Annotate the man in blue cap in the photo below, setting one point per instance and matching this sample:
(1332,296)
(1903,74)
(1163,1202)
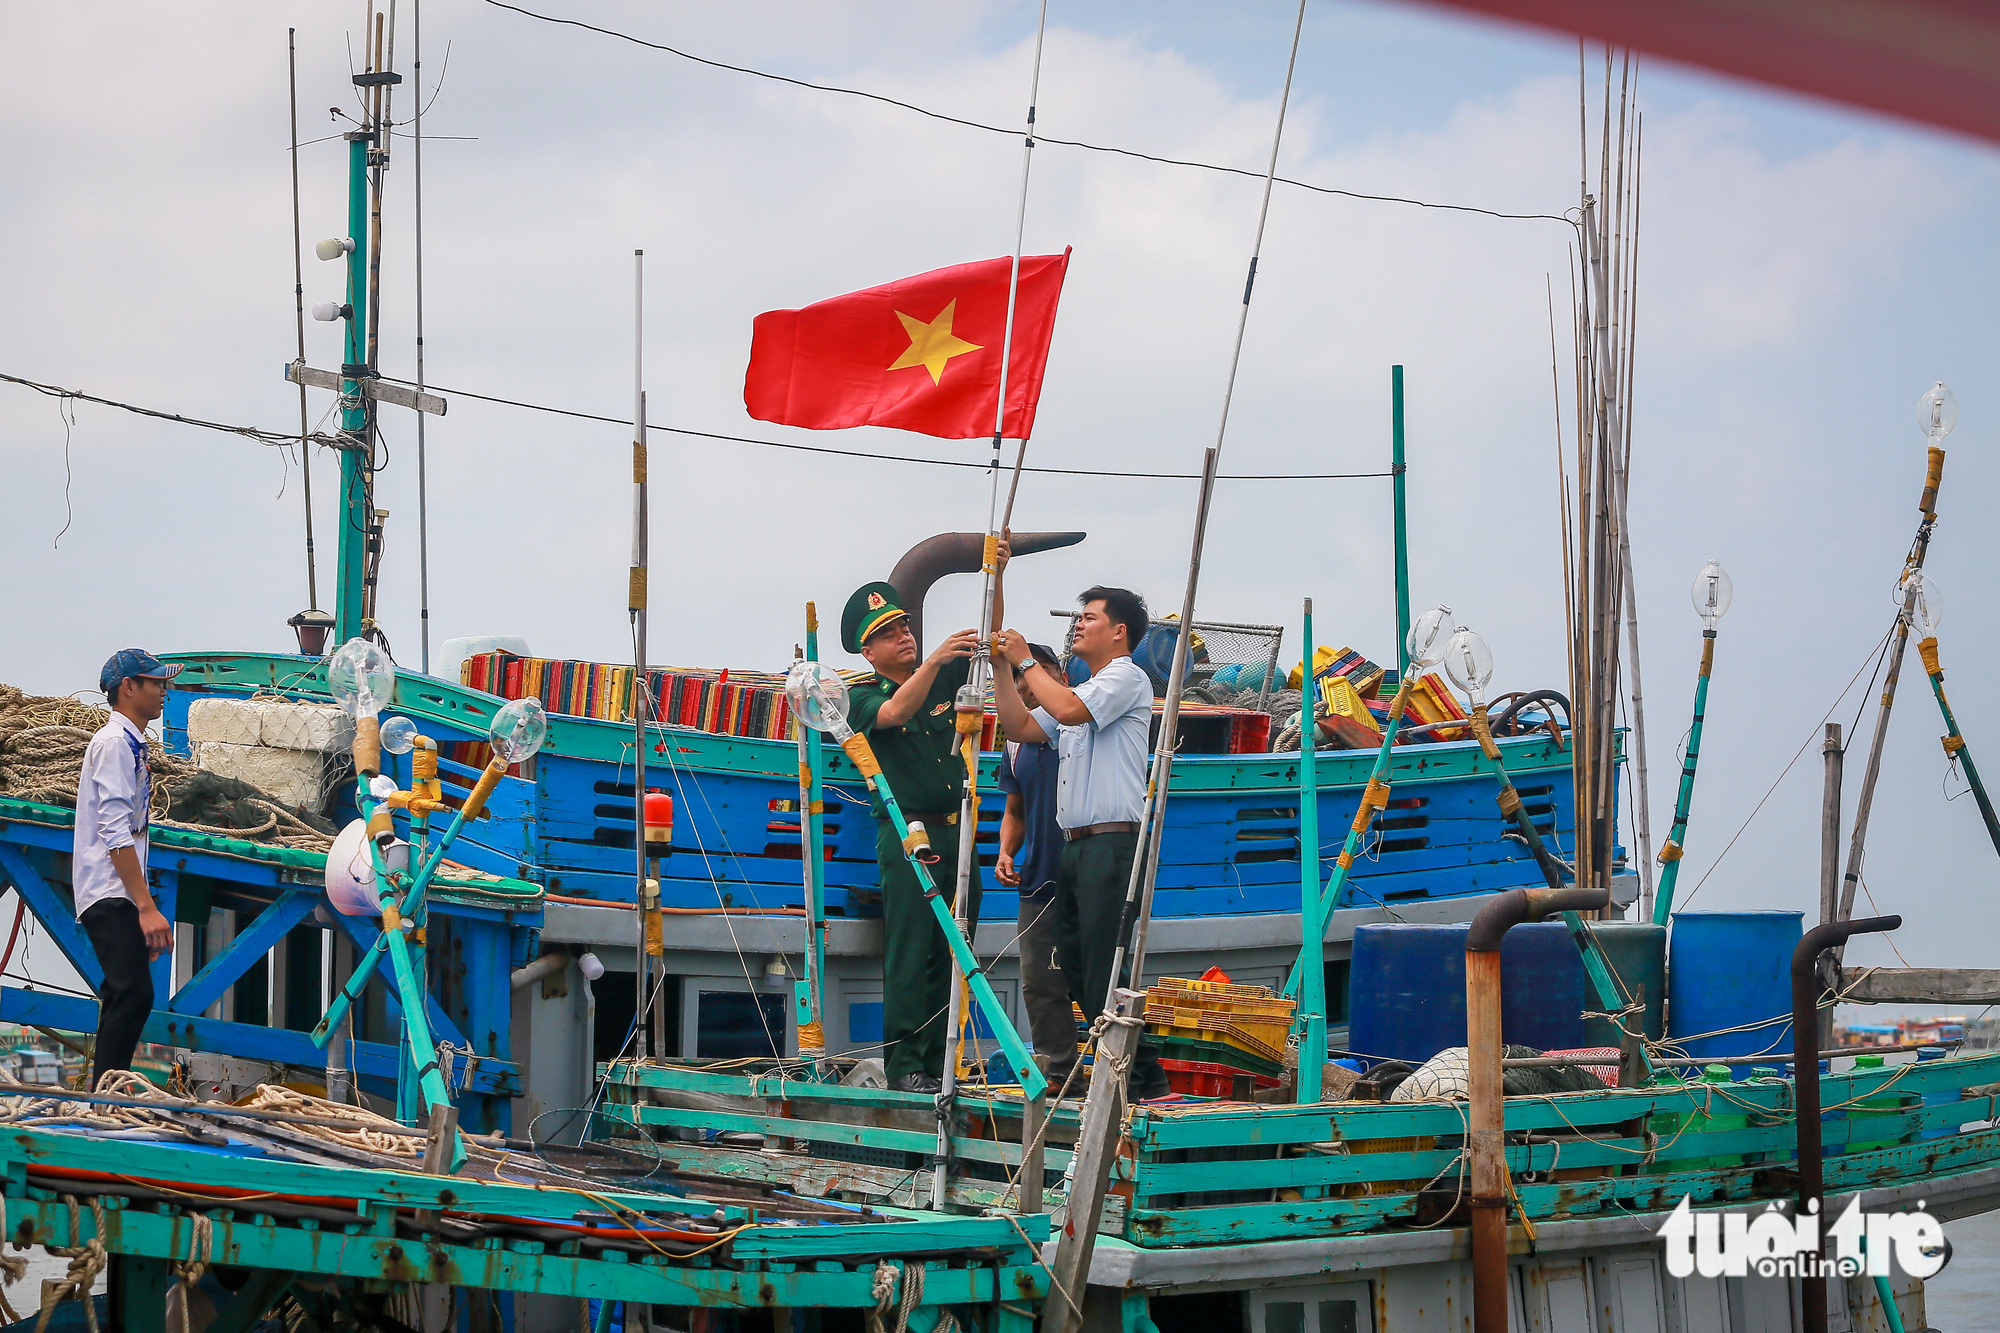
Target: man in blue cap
(114,794)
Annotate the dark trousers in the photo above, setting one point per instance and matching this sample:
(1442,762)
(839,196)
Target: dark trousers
(917,1003)
(1044,991)
(125,999)
(1090,896)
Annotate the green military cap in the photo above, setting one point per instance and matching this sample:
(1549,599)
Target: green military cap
(872,606)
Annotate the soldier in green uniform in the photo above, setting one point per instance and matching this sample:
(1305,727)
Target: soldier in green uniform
(907,711)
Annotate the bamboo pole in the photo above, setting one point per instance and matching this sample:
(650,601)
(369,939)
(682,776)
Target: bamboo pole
(1310,1017)
(1954,740)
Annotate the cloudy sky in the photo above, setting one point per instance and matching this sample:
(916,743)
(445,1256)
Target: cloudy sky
(1806,272)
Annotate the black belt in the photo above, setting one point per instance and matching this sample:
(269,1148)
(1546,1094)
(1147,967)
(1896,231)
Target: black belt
(930,817)
(1092,830)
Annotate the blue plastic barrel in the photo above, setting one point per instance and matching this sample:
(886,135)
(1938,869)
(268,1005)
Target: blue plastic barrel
(1731,970)
(1406,990)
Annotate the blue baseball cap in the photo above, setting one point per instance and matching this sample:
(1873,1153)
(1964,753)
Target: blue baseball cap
(128,662)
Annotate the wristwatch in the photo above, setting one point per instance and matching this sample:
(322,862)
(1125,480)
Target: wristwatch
(1027,660)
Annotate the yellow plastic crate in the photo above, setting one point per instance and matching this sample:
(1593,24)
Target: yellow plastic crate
(1265,1039)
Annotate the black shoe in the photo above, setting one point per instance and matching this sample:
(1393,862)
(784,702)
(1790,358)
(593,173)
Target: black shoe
(923,1083)
(1148,1082)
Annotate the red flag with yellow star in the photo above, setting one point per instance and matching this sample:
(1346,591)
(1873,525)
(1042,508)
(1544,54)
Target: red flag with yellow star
(920,354)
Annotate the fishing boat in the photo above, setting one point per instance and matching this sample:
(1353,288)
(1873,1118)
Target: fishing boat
(682,1002)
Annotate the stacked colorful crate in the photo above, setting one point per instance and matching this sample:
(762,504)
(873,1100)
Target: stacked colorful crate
(1204,1028)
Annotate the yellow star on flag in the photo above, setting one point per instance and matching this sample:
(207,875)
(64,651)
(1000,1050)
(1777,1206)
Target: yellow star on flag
(932,344)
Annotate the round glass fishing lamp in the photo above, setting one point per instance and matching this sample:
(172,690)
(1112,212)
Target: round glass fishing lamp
(1712,592)
(362,678)
(1428,635)
(1926,610)
(1937,412)
(818,695)
(1469,663)
(399,735)
(518,730)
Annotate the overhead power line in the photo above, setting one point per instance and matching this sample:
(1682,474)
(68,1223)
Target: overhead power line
(890,458)
(1002,129)
(262,436)
(280,438)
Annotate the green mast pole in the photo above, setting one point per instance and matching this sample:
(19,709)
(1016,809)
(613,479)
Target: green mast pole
(355,520)
(1310,1021)
(1663,897)
(1954,740)
(808,993)
(1396,469)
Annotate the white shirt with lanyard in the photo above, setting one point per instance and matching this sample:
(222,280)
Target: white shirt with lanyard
(113,796)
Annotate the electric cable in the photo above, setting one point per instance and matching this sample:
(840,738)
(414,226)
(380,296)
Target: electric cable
(1040,138)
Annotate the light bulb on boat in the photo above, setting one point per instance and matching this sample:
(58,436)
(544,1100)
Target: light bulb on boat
(1469,663)
(361,677)
(1937,412)
(334,247)
(328,311)
(518,730)
(1923,603)
(591,966)
(1712,593)
(818,696)
(399,735)
(1428,636)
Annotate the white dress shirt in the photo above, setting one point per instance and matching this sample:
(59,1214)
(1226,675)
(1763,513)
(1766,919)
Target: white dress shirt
(1102,773)
(112,796)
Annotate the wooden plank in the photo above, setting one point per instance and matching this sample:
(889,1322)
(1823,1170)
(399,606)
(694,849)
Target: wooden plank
(997,1151)
(237,1241)
(1249,1222)
(823,1176)
(382,391)
(1921,985)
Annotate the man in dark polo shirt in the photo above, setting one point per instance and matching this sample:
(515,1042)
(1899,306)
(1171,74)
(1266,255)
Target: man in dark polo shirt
(907,713)
(1031,843)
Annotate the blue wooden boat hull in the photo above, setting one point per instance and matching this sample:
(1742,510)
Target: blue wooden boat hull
(1231,844)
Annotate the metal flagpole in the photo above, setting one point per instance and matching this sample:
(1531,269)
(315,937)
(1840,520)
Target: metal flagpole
(1102,1116)
(971,703)
(636,608)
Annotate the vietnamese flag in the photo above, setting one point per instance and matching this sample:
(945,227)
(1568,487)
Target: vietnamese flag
(919,354)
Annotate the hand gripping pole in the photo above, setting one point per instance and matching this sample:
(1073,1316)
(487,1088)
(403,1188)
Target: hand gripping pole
(1033,1084)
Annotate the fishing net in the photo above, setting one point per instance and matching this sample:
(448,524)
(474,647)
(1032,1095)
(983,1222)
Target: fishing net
(1233,665)
(1445,1077)
(42,742)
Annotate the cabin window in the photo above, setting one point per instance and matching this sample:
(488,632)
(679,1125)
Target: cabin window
(1345,1307)
(1337,970)
(731,1025)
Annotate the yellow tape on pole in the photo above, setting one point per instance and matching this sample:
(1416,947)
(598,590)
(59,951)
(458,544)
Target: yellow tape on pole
(863,755)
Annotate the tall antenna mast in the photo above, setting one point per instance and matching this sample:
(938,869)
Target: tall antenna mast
(1103,1108)
(299,302)
(971,703)
(423,495)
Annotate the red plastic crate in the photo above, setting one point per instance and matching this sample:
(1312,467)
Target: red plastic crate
(1193,1078)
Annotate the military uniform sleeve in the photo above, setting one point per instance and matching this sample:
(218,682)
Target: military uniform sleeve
(864,701)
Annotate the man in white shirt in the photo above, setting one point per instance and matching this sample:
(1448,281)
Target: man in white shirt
(1100,731)
(108,867)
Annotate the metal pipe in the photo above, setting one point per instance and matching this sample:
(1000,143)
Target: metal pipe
(636,607)
(548,965)
(1806,989)
(1397,469)
(1835,755)
(1487,1140)
(1310,1019)
(423,488)
(1670,855)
